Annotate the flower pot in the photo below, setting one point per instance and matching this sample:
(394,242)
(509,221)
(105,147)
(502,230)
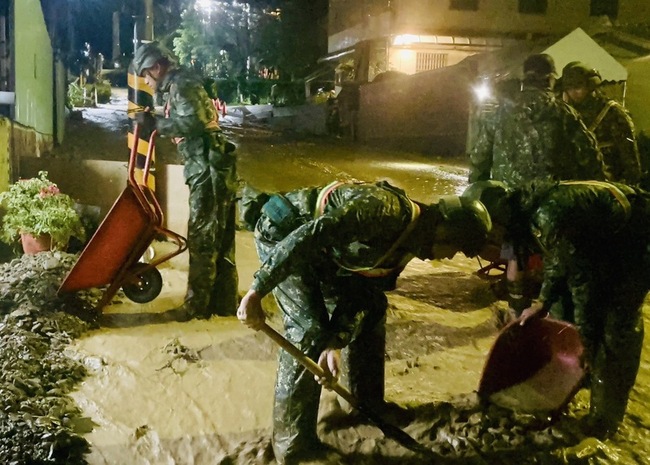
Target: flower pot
(35,244)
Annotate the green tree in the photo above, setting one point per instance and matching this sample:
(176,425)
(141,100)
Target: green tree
(216,38)
(236,39)
(302,37)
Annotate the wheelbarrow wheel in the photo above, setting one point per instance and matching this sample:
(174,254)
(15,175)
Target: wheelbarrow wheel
(145,285)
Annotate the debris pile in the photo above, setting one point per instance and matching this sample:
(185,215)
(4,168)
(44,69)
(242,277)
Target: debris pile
(469,430)
(39,423)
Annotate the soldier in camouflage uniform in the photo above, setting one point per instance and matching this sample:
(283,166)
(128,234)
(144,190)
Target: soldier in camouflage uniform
(533,135)
(606,118)
(210,173)
(530,135)
(328,255)
(594,237)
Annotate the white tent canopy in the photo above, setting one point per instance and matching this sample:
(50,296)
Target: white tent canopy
(575,46)
(578,46)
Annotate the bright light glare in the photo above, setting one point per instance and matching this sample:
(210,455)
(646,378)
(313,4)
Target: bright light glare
(483,92)
(203,5)
(406,39)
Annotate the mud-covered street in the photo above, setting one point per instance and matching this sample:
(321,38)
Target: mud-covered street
(200,392)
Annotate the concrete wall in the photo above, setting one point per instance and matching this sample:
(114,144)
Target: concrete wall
(633,11)
(100,183)
(426,112)
(493,17)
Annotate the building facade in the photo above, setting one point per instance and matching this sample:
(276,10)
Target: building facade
(412,36)
(32,73)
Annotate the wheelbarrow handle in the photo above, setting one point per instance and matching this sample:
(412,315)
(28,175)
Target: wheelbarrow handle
(388,429)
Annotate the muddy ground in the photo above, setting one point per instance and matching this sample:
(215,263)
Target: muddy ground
(201,392)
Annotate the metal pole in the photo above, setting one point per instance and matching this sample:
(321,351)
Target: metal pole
(148,21)
(117,50)
(140,97)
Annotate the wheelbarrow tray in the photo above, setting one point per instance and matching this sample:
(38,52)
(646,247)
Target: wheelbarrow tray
(120,240)
(537,367)
(112,255)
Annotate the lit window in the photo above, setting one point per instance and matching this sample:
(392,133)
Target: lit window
(427,61)
(533,6)
(471,5)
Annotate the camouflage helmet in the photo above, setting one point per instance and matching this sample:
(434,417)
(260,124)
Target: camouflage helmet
(466,223)
(577,74)
(146,56)
(539,64)
(492,195)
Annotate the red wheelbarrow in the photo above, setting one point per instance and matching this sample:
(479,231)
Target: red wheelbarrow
(537,367)
(112,256)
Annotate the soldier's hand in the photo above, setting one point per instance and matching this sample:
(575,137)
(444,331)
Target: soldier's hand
(250,311)
(534,311)
(145,118)
(330,362)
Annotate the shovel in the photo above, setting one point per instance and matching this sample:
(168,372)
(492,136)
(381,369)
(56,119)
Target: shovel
(389,430)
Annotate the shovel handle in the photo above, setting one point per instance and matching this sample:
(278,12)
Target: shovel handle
(313,367)
(388,429)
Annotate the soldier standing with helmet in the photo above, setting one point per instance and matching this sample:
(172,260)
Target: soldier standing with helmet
(606,118)
(532,134)
(328,255)
(190,120)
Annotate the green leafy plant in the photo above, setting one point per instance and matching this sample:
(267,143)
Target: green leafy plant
(36,206)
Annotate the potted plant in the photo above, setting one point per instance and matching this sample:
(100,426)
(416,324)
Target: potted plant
(36,207)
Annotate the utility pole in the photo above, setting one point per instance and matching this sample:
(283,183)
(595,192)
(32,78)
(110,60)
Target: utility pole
(117,48)
(143,25)
(148,19)
(141,97)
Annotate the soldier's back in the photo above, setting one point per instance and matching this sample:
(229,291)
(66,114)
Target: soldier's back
(540,137)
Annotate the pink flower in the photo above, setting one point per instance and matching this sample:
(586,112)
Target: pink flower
(48,191)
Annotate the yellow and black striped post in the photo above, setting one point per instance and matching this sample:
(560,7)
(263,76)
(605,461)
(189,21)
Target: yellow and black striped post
(140,97)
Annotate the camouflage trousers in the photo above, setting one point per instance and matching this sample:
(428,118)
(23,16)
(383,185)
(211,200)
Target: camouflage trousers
(212,285)
(307,299)
(611,325)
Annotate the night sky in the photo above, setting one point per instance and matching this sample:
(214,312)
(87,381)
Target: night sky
(94,24)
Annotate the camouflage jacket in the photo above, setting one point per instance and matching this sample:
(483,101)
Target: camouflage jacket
(533,135)
(614,131)
(589,233)
(191,119)
(189,111)
(359,225)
